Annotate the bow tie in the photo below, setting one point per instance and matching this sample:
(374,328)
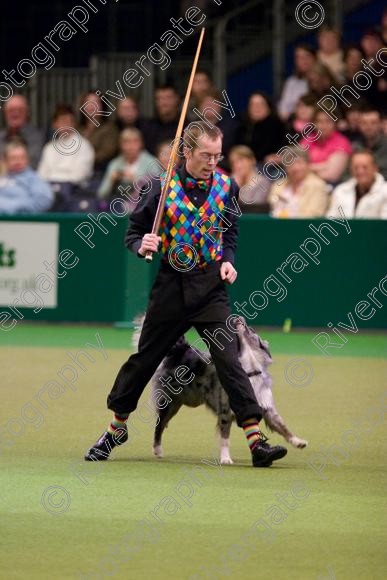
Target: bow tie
(192,183)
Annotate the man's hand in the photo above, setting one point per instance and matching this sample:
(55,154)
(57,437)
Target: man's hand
(228,272)
(149,243)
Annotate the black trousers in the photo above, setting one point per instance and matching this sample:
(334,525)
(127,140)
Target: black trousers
(178,301)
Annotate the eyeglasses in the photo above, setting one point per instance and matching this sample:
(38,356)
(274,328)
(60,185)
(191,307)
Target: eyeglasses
(207,157)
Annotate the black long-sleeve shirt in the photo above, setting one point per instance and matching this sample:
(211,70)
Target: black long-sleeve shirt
(141,220)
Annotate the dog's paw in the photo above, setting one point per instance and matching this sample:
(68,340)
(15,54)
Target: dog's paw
(226,461)
(158,451)
(297,442)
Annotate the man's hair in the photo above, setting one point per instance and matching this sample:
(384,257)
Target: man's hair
(62,109)
(195,130)
(364,152)
(15,143)
(368,108)
(130,132)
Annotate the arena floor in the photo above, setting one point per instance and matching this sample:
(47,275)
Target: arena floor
(317,514)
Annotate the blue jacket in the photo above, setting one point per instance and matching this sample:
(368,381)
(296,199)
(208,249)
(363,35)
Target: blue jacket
(24,192)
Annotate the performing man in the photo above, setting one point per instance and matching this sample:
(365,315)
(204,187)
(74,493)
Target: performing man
(198,237)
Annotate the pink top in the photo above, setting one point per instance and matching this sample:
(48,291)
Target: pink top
(319,151)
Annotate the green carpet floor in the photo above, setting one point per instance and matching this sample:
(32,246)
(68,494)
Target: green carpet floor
(317,514)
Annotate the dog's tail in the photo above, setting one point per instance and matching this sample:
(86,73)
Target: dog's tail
(138,324)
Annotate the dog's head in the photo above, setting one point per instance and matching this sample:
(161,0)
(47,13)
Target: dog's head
(250,344)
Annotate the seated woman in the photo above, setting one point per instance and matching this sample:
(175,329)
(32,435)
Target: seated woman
(330,152)
(302,194)
(304,113)
(254,187)
(126,169)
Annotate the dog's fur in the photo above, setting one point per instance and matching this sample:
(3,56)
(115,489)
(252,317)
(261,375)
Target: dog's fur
(205,388)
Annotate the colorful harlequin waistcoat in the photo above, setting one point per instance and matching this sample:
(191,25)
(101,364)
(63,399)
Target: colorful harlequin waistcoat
(192,236)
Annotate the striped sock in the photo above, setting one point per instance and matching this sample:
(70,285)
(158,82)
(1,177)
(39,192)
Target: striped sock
(252,432)
(119,422)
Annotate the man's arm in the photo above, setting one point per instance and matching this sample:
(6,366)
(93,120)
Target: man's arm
(230,236)
(141,220)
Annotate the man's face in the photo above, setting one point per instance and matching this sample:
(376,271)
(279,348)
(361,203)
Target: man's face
(16,112)
(370,125)
(202,160)
(127,111)
(363,169)
(167,102)
(16,160)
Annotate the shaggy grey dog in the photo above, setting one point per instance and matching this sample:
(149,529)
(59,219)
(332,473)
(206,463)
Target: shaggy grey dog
(205,388)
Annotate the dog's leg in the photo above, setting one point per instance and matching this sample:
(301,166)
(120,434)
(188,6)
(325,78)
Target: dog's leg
(224,428)
(275,422)
(164,416)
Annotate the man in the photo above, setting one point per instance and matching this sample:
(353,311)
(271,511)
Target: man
(164,125)
(371,129)
(189,290)
(16,116)
(21,189)
(363,196)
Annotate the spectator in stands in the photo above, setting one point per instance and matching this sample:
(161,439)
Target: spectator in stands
(213,112)
(163,153)
(128,116)
(329,51)
(69,158)
(329,153)
(261,129)
(16,116)
(297,85)
(104,136)
(349,125)
(365,194)
(202,86)
(303,113)
(320,80)
(371,129)
(22,191)
(163,126)
(371,43)
(302,194)
(126,169)
(254,187)
(353,55)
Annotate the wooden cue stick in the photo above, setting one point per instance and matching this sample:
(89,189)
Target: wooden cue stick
(176,143)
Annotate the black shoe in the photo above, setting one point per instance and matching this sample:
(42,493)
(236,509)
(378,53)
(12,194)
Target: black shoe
(103,447)
(264,454)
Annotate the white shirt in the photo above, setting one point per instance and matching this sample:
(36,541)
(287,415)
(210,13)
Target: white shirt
(372,205)
(56,163)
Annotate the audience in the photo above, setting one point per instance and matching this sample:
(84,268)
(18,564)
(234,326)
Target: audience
(163,126)
(365,194)
(297,85)
(123,148)
(16,117)
(254,187)
(330,152)
(102,137)
(261,129)
(303,194)
(329,51)
(22,191)
(126,169)
(373,137)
